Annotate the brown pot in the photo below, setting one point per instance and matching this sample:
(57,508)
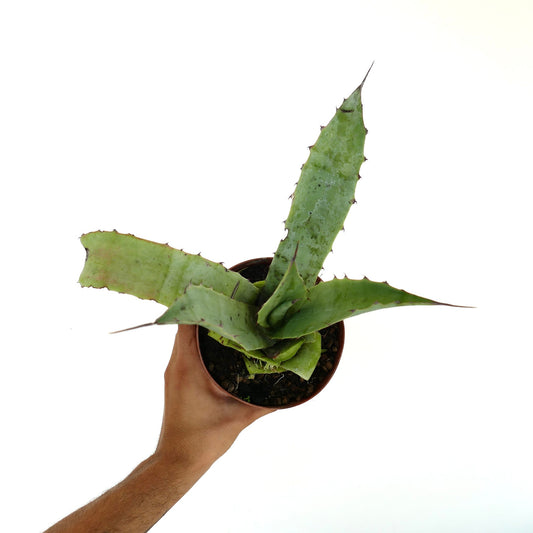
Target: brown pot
(227,370)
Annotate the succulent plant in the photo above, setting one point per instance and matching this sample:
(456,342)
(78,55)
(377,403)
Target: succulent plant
(274,323)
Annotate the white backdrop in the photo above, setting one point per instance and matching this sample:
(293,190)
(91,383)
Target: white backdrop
(187,123)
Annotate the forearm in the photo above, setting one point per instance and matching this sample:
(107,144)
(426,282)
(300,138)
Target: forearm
(199,425)
(138,502)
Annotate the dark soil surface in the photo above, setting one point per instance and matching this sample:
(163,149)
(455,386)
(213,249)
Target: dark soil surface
(227,367)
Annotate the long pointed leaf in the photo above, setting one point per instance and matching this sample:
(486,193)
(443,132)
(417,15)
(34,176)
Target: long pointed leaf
(332,301)
(323,196)
(153,271)
(219,313)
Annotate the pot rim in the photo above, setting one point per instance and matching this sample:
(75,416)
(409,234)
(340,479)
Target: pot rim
(341,332)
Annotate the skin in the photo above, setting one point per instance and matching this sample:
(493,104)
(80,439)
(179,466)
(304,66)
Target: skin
(200,423)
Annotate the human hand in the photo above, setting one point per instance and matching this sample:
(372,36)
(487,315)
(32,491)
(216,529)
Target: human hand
(200,422)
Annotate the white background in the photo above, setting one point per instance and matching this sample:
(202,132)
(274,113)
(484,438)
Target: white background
(187,123)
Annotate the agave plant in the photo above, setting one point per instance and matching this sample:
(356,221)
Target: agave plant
(275,323)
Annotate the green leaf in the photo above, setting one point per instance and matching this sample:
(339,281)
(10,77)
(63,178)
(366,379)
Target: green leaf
(323,196)
(307,353)
(290,289)
(255,366)
(305,361)
(332,301)
(285,349)
(219,313)
(257,354)
(255,360)
(153,271)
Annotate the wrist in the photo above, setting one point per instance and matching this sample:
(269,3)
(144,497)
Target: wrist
(175,460)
